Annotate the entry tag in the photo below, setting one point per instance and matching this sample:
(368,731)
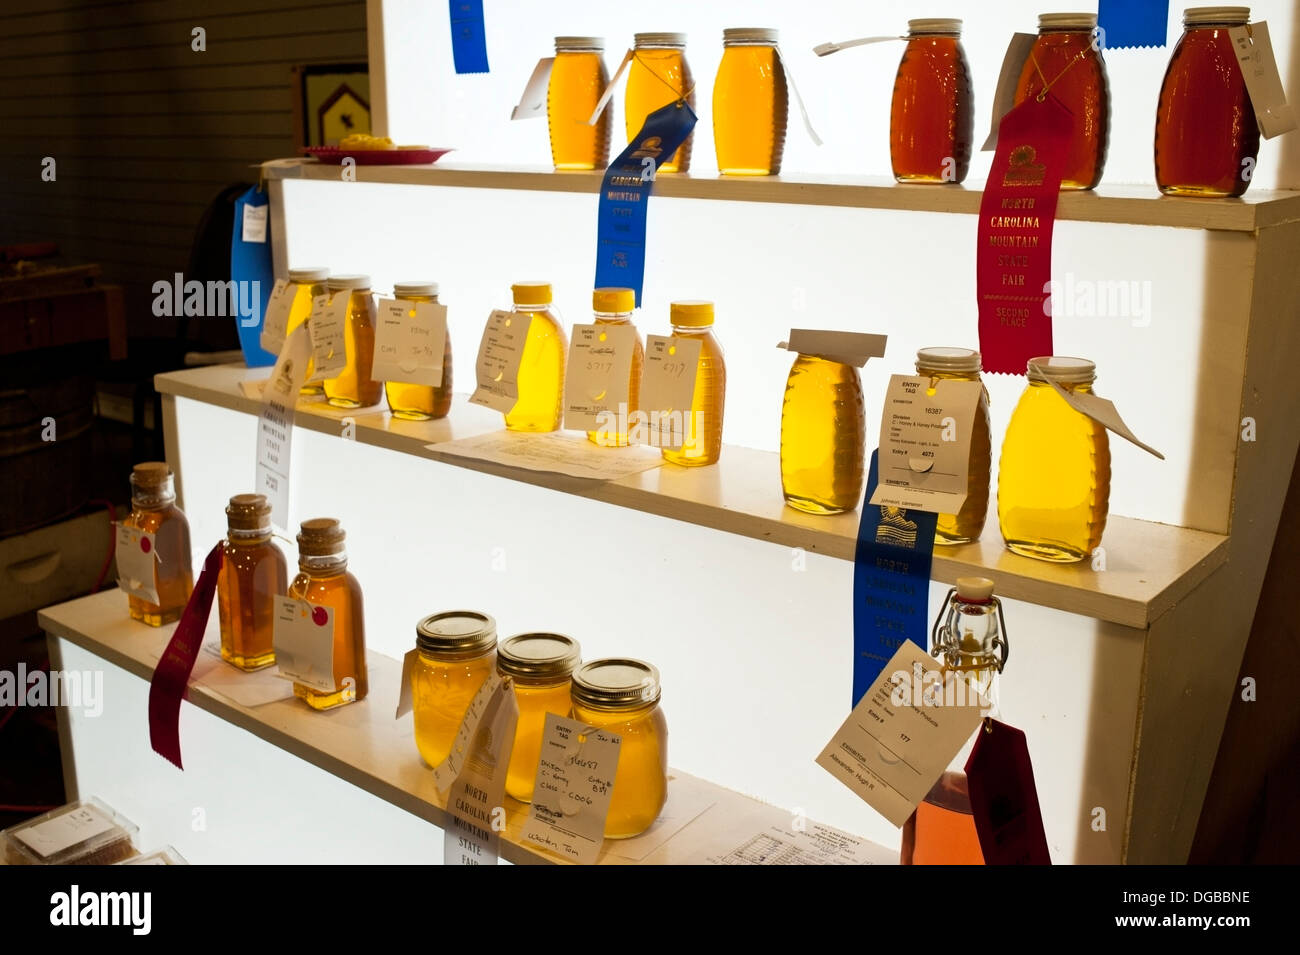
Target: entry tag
(1254,51)
(327,325)
(410,340)
(609,91)
(572,790)
(532,104)
(275,423)
(303,635)
(1100,410)
(597,379)
(136,553)
(668,391)
(803,110)
(276,324)
(499,354)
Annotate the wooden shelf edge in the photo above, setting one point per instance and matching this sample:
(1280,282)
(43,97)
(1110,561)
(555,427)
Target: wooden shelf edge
(1118,204)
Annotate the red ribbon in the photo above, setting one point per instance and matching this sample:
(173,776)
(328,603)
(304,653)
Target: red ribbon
(1004,799)
(1013,262)
(172,674)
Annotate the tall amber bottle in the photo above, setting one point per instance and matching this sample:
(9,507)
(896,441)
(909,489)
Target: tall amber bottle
(750,104)
(578,78)
(421,402)
(154,511)
(703,444)
(823,436)
(308,283)
(932,116)
(1054,476)
(657,76)
(1066,61)
(354,387)
(1207,138)
(540,405)
(962,364)
(253,574)
(323,579)
(614,306)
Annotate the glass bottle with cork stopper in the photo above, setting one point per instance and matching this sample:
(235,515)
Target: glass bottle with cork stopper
(540,666)
(354,387)
(703,427)
(963,364)
(421,402)
(657,76)
(578,78)
(614,306)
(323,580)
(750,104)
(253,574)
(970,636)
(308,283)
(154,511)
(540,405)
(456,652)
(932,114)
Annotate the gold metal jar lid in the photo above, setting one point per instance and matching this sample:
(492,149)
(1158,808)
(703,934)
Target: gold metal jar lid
(656,41)
(310,276)
(941,358)
(337,283)
(151,475)
(1067,21)
(415,289)
(934,27)
(1234,16)
(750,35)
(321,537)
(575,44)
(616,683)
(456,634)
(1063,370)
(538,657)
(248,512)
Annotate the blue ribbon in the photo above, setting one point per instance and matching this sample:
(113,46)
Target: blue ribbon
(1133,22)
(251,262)
(891,583)
(468,38)
(625,191)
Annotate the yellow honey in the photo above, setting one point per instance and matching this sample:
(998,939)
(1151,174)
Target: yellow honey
(539,666)
(421,402)
(823,434)
(614,306)
(750,104)
(962,364)
(703,430)
(456,652)
(578,79)
(354,386)
(658,75)
(540,404)
(308,283)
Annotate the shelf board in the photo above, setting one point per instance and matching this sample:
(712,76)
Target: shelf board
(364,745)
(1130,205)
(1149,566)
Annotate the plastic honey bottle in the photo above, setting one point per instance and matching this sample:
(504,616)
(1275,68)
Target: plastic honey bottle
(323,580)
(540,405)
(354,386)
(614,306)
(703,432)
(421,402)
(823,436)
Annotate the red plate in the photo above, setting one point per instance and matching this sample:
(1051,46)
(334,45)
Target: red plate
(377,157)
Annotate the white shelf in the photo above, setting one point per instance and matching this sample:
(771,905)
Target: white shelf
(1150,566)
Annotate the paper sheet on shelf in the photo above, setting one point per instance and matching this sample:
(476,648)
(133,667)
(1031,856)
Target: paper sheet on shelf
(558,452)
(245,689)
(253,388)
(684,806)
(781,844)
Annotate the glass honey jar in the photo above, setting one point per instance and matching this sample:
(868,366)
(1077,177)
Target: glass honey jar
(932,116)
(540,666)
(750,104)
(1066,62)
(657,76)
(421,402)
(308,283)
(1207,138)
(253,574)
(154,512)
(962,364)
(354,387)
(621,696)
(455,654)
(323,580)
(1054,475)
(578,79)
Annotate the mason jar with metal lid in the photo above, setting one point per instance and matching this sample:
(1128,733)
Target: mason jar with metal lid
(457,651)
(622,696)
(539,666)
(963,364)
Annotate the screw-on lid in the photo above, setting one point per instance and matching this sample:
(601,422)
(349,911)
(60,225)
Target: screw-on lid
(975,589)
(321,537)
(1230,15)
(1067,21)
(531,293)
(538,657)
(644,41)
(308,276)
(595,44)
(931,27)
(248,512)
(613,300)
(616,683)
(948,359)
(691,314)
(1066,371)
(456,634)
(409,289)
(150,475)
(750,35)
(337,283)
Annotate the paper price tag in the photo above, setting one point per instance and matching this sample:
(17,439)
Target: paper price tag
(1100,410)
(499,354)
(925,443)
(303,636)
(328,324)
(254,226)
(445,773)
(410,340)
(668,389)
(572,790)
(903,733)
(1254,49)
(62,832)
(137,562)
(532,104)
(275,325)
(598,376)
(275,423)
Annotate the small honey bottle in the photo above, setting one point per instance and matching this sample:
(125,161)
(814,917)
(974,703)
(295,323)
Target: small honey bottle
(354,387)
(962,364)
(750,104)
(614,306)
(578,79)
(932,115)
(540,405)
(823,436)
(154,511)
(703,432)
(421,402)
(323,580)
(253,574)
(308,283)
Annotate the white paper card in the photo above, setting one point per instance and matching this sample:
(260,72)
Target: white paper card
(410,340)
(1005,96)
(826,49)
(816,844)
(477,797)
(572,790)
(445,773)
(555,452)
(609,90)
(1101,410)
(404,701)
(275,326)
(848,348)
(499,354)
(303,636)
(803,110)
(255,223)
(275,424)
(597,379)
(136,553)
(1254,49)
(328,324)
(532,105)
(668,389)
(62,832)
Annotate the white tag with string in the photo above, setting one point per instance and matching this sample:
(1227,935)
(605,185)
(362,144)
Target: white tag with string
(573,787)
(532,105)
(1013,63)
(1254,50)
(609,90)
(794,88)
(137,562)
(1100,410)
(826,49)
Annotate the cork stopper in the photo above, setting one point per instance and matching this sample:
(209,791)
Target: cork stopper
(151,475)
(320,537)
(248,512)
(975,589)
